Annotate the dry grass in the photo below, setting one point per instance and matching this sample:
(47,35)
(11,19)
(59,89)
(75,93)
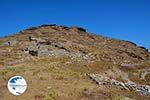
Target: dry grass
(53,79)
(61,78)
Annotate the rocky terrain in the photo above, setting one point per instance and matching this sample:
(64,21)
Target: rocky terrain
(69,63)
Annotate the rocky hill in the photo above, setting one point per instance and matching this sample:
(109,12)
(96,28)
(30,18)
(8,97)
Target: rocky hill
(67,61)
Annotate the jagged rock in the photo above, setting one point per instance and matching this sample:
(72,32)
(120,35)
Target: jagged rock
(83,51)
(60,52)
(44,52)
(132,54)
(109,50)
(38,40)
(10,42)
(31,29)
(144,73)
(31,52)
(78,29)
(64,27)
(81,29)
(144,89)
(131,85)
(131,43)
(144,49)
(60,47)
(118,84)
(100,80)
(65,49)
(46,25)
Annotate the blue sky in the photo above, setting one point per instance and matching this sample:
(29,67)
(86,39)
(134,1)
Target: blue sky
(121,19)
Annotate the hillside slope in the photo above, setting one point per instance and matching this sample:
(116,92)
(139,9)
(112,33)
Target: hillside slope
(57,61)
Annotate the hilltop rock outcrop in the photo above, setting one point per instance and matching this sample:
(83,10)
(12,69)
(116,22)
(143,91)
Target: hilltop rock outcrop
(60,56)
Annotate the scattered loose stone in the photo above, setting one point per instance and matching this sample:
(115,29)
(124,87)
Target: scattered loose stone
(101,80)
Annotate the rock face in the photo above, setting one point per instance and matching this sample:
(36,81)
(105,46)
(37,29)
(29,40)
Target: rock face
(42,47)
(75,42)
